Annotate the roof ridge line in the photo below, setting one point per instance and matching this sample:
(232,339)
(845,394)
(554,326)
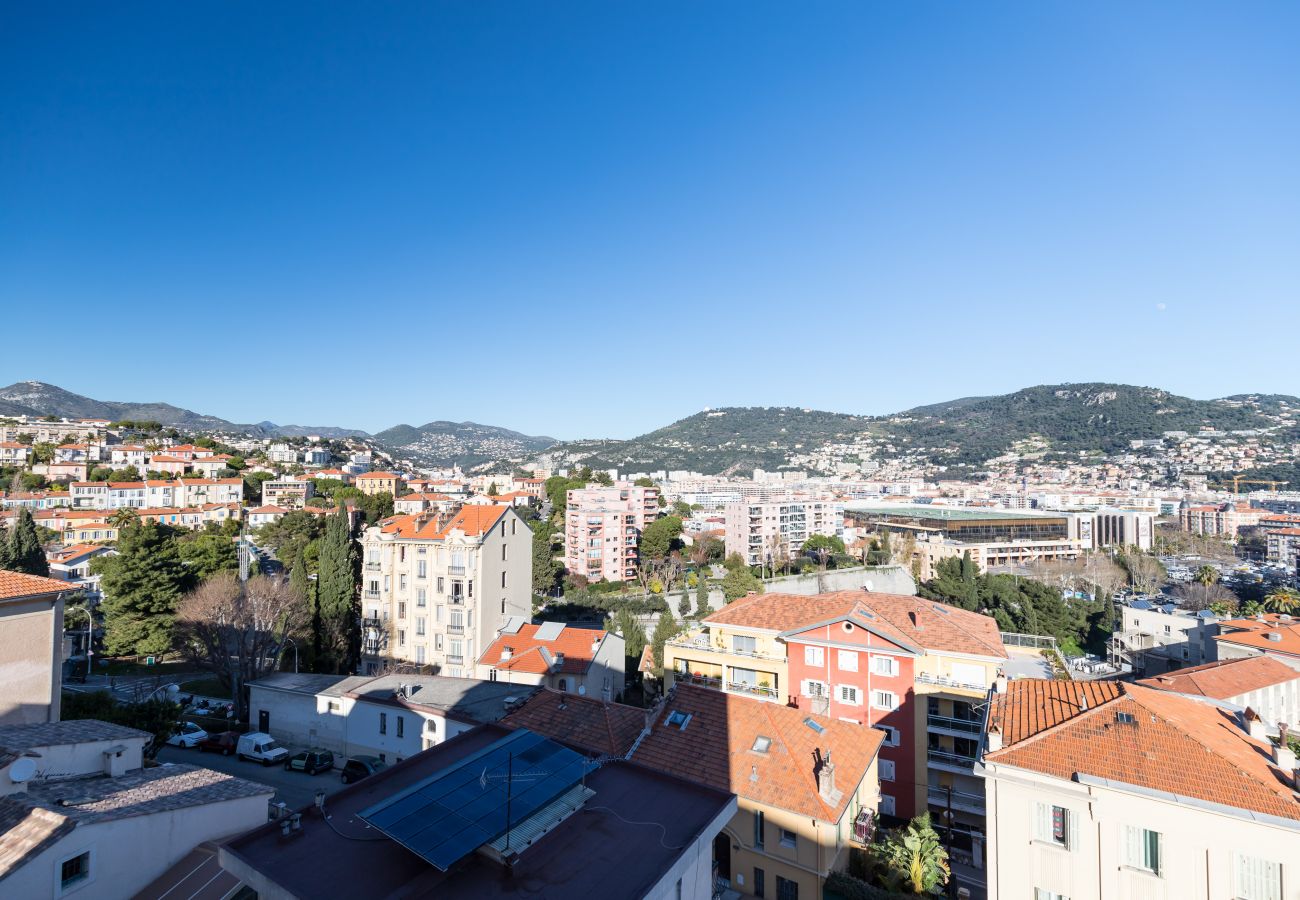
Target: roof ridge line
(786,741)
(1056,726)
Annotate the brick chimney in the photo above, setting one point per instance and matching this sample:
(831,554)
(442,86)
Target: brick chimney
(826,777)
(1283,755)
(1255,726)
(994,738)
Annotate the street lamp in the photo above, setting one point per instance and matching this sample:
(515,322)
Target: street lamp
(90,635)
(290,640)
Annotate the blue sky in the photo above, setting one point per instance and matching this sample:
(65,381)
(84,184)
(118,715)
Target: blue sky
(590,219)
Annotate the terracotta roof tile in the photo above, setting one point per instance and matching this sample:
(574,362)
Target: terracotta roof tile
(1139,736)
(607,729)
(19,584)
(526,650)
(1226,678)
(472,520)
(717,748)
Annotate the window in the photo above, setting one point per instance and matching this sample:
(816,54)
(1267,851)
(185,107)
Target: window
(847,693)
(1142,848)
(440,584)
(419,597)
(789,838)
(814,688)
(887,804)
(383,723)
(401,581)
(503,579)
(401,637)
(1043,894)
(848,660)
(812,656)
(401,609)
(503,546)
(758,829)
(786,890)
(74,871)
(1256,879)
(891,734)
(884,665)
(760,882)
(884,699)
(744,643)
(886,770)
(1052,824)
(419,626)
(401,722)
(419,654)
(421,567)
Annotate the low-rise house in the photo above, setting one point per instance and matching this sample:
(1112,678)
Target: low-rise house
(65,471)
(594,727)
(587,661)
(411,504)
(288,493)
(81,532)
(79,816)
(1271,634)
(1104,789)
(72,564)
(388,716)
(264,515)
(129,455)
(380,483)
(1158,637)
(13,453)
(1262,684)
(31,648)
(171,465)
(611,829)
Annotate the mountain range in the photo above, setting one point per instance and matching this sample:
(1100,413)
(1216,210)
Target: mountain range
(1064,418)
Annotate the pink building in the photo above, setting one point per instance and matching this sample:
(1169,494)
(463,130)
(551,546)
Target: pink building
(602,528)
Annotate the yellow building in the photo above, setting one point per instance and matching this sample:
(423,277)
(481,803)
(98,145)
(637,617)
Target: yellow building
(381,483)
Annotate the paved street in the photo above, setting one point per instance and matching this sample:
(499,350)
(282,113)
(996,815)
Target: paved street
(297,789)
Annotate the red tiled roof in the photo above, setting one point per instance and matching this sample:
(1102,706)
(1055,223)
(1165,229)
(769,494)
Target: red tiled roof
(1226,678)
(596,727)
(910,620)
(472,520)
(1162,741)
(20,584)
(525,650)
(378,475)
(716,748)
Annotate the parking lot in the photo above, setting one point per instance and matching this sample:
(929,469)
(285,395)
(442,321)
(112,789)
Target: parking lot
(296,789)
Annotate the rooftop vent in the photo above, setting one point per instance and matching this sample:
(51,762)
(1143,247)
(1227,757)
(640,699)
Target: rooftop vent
(679,719)
(1274,637)
(762,744)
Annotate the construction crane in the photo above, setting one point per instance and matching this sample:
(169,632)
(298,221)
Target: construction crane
(1238,481)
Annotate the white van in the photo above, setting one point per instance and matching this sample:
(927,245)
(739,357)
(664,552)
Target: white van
(260,746)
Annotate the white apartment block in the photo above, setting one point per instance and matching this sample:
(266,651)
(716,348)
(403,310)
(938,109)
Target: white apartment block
(287,493)
(602,527)
(155,494)
(766,530)
(436,588)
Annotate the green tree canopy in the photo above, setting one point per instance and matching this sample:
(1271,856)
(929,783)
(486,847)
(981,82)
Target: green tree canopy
(209,551)
(142,586)
(25,551)
(660,538)
(337,609)
(739,582)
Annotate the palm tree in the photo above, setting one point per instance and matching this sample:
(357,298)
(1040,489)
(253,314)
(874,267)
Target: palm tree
(1284,600)
(123,517)
(916,860)
(1206,576)
(1252,608)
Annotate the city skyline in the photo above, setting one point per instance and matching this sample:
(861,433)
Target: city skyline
(265,214)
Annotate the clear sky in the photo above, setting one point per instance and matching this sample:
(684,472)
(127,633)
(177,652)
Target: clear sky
(591,219)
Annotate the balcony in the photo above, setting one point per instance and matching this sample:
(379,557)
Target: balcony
(753,690)
(953,760)
(372,567)
(455,629)
(455,660)
(703,645)
(965,726)
(701,680)
(961,801)
(945,681)
(372,595)
(455,570)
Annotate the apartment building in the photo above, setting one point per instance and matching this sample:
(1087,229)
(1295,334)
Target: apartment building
(155,494)
(1104,789)
(806,786)
(1113,528)
(763,531)
(436,589)
(586,661)
(911,668)
(43,432)
(1270,634)
(1223,519)
(287,493)
(125,455)
(1268,688)
(1159,637)
(380,483)
(31,648)
(1284,547)
(13,453)
(601,530)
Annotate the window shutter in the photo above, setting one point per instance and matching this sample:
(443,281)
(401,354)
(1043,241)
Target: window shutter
(1072,832)
(1133,845)
(1042,821)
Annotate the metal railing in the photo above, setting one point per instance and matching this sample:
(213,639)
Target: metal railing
(953,724)
(372,595)
(704,646)
(455,570)
(952,759)
(1034,641)
(702,680)
(455,629)
(455,660)
(960,799)
(945,681)
(372,567)
(758,690)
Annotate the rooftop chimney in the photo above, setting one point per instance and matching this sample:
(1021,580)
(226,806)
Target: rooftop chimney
(1000,684)
(1255,726)
(826,779)
(916,621)
(994,738)
(1283,755)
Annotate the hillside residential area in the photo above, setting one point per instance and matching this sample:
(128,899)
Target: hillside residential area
(587,450)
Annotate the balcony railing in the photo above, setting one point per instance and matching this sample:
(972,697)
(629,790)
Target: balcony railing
(455,660)
(945,681)
(455,570)
(703,645)
(965,725)
(757,690)
(460,629)
(372,567)
(372,595)
(960,800)
(701,680)
(951,759)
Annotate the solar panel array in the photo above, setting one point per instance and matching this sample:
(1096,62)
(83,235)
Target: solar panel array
(450,814)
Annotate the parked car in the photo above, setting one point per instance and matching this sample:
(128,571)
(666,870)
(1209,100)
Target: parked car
(310,761)
(261,747)
(359,767)
(188,737)
(223,743)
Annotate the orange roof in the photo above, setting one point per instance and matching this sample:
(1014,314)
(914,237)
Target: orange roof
(378,475)
(75,551)
(525,650)
(19,584)
(717,748)
(471,520)
(908,620)
(267,510)
(1226,678)
(1161,741)
(1286,531)
(592,725)
(424,496)
(13,445)
(1274,637)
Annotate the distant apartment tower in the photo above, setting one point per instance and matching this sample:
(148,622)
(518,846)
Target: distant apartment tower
(602,527)
(437,587)
(763,530)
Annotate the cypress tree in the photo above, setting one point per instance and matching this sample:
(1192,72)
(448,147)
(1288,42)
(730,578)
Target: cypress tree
(702,596)
(25,549)
(339,632)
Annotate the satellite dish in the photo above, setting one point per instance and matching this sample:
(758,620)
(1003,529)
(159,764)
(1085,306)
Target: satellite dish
(22,769)
(868,586)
